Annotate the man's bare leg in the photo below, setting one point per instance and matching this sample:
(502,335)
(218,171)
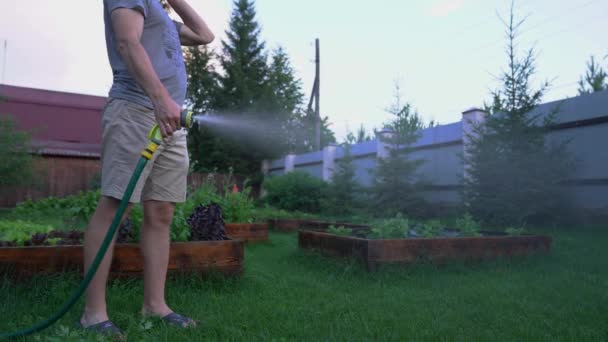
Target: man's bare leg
(155,244)
(155,250)
(95,310)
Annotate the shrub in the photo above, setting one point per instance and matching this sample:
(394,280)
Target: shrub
(237,206)
(431,228)
(514,231)
(341,230)
(467,225)
(295,191)
(16,167)
(393,228)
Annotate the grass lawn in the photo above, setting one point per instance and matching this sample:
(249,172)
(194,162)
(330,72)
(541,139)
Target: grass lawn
(287,294)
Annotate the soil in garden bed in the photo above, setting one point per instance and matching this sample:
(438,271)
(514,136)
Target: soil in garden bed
(293,225)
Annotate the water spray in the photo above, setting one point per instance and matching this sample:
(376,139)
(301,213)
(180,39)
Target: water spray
(155,139)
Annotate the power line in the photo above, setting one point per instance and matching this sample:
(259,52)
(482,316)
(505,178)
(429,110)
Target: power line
(549,36)
(485,46)
(4,61)
(568,11)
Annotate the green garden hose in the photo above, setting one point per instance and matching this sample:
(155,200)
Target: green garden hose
(146,155)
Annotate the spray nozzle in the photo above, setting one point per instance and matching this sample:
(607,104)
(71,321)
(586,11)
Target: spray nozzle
(185,120)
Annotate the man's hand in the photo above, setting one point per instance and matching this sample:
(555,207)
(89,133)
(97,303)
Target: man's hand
(167,114)
(194,31)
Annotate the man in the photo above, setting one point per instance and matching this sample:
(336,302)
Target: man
(144,50)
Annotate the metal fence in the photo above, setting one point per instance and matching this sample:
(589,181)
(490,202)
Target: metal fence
(582,120)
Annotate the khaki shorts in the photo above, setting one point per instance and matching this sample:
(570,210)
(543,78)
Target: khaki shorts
(125,127)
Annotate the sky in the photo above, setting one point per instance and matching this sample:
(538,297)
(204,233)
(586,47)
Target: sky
(445,55)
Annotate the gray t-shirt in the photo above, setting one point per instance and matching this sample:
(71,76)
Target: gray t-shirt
(160,39)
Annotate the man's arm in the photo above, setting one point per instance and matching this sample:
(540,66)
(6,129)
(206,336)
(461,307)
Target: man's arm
(128,26)
(195,30)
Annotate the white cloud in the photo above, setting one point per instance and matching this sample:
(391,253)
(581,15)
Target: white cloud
(444,7)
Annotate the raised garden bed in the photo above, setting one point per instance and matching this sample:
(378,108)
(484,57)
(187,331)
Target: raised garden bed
(293,225)
(39,250)
(202,257)
(374,253)
(248,231)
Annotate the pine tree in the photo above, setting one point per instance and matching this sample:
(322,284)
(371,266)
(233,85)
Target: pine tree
(396,186)
(243,61)
(286,96)
(240,89)
(253,92)
(513,174)
(358,137)
(283,102)
(595,79)
(206,152)
(342,192)
(202,78)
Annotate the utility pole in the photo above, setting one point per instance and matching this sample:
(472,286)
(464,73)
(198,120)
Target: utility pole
(314,96)
(318,95)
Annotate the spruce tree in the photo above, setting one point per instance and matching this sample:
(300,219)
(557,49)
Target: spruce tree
(202,78)
(396,186)
(283,102)
(243,61)
(595,79)
(513,173)
(343,191)
(285,88)
(358,137)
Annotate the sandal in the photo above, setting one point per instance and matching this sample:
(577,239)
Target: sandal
(178,320)
(106,328)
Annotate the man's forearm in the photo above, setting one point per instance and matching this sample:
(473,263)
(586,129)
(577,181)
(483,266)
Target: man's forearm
(136,58)
(192,20)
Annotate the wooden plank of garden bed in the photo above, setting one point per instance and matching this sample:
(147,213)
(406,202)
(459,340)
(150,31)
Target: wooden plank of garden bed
(404,251)
(333,245)
(248,231)
(458,248)
(198,256)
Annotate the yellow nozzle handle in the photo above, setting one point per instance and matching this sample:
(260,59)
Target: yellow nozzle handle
(185,121)
(156,137)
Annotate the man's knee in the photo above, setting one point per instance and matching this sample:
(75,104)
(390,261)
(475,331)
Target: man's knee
(108,206)
(158,213)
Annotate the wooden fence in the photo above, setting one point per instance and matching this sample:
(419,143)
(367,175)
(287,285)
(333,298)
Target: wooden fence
(64,176)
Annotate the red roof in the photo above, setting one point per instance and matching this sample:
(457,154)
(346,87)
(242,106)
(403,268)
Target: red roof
(61,123)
